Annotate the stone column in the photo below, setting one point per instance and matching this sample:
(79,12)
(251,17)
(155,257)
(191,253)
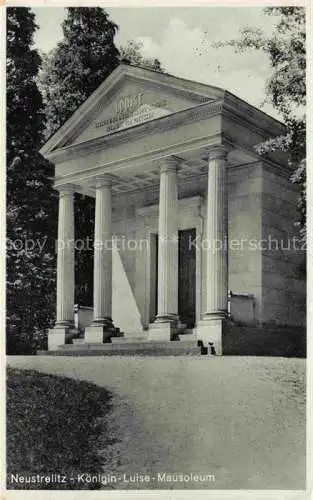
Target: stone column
(65,269)
(216,248)
(166,321)
(102,327)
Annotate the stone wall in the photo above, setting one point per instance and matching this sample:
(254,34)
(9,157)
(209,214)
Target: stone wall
(283,287)
(244,207)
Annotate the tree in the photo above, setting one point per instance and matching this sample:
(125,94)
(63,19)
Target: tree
(132,52)
(30,197)
(78,64)
(71,72)
(286,87)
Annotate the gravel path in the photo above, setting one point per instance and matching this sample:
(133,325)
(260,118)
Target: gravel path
(241,419)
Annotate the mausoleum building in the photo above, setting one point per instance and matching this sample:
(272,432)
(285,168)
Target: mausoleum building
(194,230)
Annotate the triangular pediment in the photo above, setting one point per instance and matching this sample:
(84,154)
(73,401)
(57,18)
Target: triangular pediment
(129,97)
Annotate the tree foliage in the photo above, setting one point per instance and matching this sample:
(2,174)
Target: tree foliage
(132,52)
(286,87)
(30,206)
(80,62)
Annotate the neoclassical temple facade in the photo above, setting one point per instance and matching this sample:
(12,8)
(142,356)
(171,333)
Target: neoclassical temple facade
(193,229)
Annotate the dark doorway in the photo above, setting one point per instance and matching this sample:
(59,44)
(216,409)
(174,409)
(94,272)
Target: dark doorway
(187,277)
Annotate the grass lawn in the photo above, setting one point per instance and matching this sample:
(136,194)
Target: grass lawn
(55,425)
(241,419)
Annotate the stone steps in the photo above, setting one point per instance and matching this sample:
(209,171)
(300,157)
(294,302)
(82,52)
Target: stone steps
(129,340)
(141,348)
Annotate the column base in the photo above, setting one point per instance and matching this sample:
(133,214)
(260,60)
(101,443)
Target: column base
(164,328)
(99,331)
(210,331)
(59,335)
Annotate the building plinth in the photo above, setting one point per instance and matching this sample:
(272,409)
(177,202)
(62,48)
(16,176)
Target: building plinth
(164,328)
(210,331)
(58,337)
(99,331)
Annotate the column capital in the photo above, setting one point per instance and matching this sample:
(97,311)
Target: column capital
(219,152)
(169,163)
(66,189)
(103,180)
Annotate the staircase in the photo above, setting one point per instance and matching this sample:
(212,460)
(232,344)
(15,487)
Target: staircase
(119,345)
(138,348)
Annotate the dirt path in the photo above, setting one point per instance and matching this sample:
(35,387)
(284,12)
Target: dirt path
(241,419)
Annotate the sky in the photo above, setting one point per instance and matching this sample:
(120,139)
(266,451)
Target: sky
(181,38)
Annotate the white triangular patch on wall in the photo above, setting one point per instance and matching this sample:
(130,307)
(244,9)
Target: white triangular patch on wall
(124,306)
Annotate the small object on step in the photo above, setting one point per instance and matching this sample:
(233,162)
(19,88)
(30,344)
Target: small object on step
(213,351)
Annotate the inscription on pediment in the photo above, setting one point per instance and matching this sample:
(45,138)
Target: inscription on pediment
(132,105)
(130,112)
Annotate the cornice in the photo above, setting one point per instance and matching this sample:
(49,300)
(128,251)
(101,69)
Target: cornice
(244,113)
(126,163)
(164,123)
(276,168)
(268,163)
(227,141)
(249,165)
